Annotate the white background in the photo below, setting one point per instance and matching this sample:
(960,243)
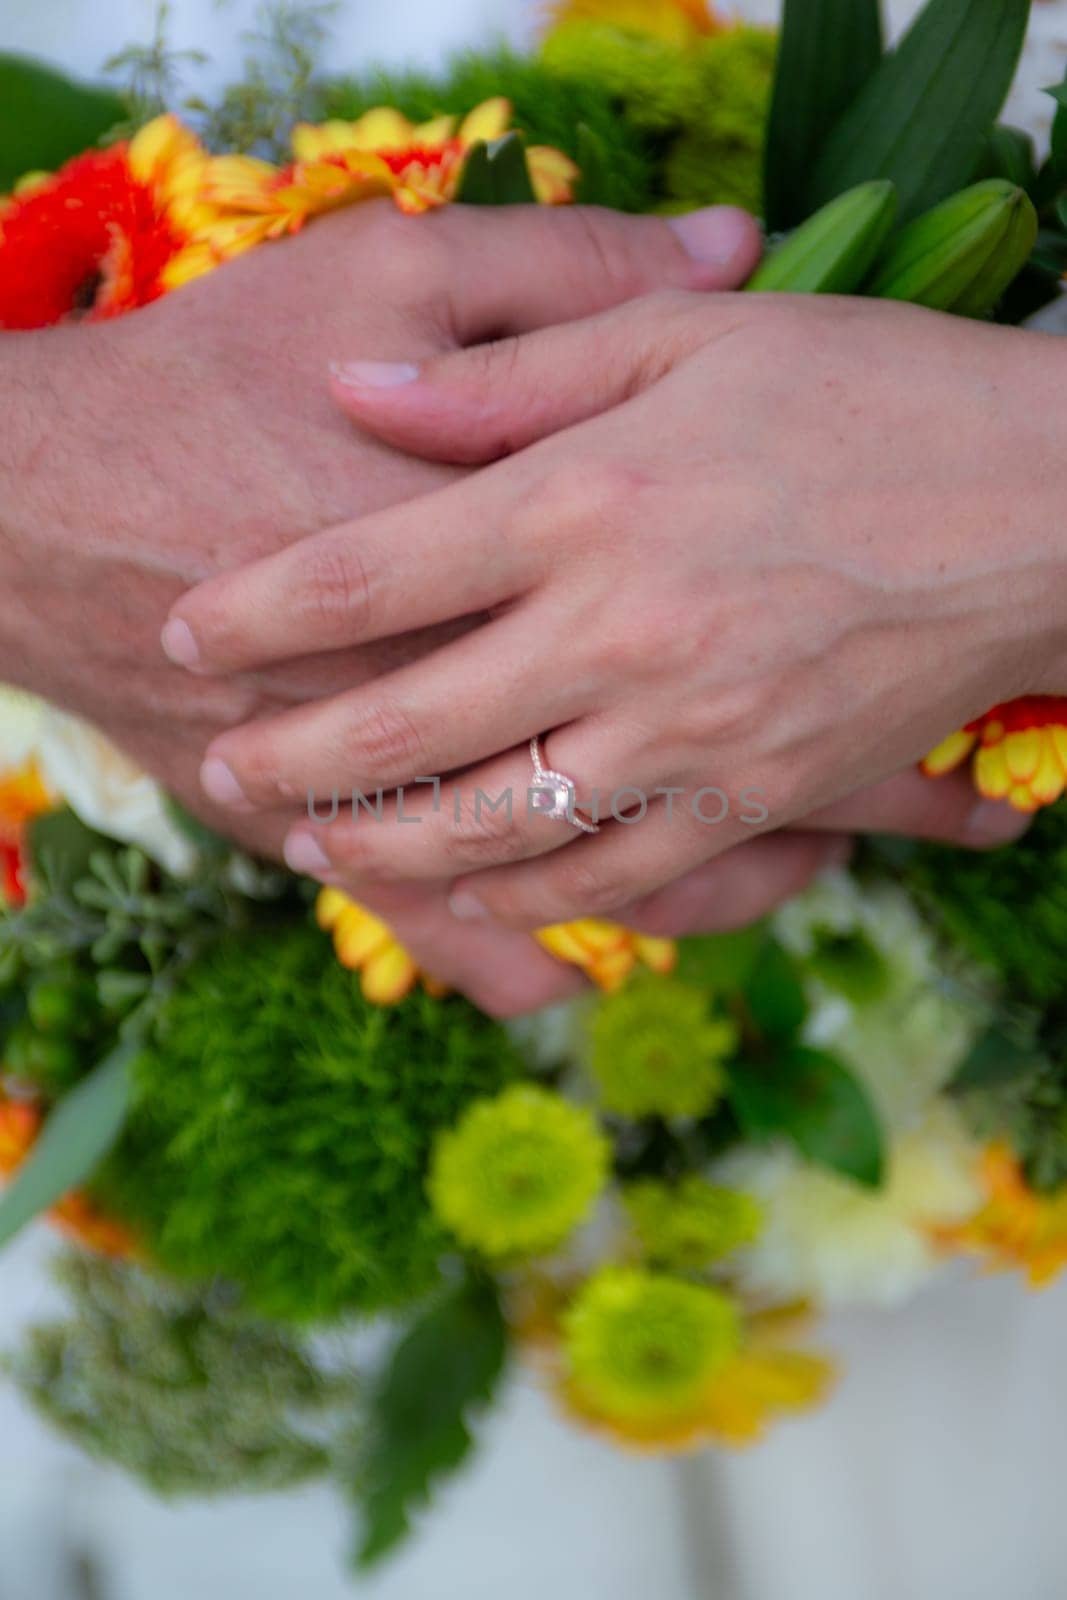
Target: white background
(935,1474)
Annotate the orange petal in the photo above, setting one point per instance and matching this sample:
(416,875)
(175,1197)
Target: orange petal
(357,936)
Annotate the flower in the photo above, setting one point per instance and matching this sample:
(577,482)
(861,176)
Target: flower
(78,766)
(688,1225)
(75,1215)
(338,163)
(876,983)
(680,22)
(518,1173)
(827,1239)
(365,944)
(606,952)
(1016,1226)
(654,1051)
(1021,754)
(641,1350)
(23,796)
(105,234)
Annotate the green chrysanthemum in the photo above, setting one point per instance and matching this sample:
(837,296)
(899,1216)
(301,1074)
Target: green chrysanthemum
(518,1173)
(640,1345)
(655,1051)
(690,1224)
(718,158)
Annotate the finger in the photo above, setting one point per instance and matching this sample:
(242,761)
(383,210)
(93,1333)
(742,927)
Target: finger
(473,406)
(504,974)
(464,703)
(946,809)
(523,267)
(427,561)
(601,875)
(432,830)
(738,888)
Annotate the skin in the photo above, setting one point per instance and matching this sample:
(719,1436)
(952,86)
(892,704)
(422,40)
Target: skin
(142,455)
(733,542)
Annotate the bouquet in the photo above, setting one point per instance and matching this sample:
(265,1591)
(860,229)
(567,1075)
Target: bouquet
(259,1127)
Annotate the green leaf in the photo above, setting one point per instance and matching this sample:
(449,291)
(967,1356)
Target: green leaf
(997,1058)
(721,962)
(1010,155)
(74,1140)
(46,118)
(924,117)
(774,994)
(594,166)
(810,1097)
(1057,156)
(826,52)
(849,963)
(447,1364)
(61,846)
(496,174)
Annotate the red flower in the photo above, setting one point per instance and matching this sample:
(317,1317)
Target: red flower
(91,241)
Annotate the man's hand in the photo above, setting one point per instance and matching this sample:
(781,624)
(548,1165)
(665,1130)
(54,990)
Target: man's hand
(139,456)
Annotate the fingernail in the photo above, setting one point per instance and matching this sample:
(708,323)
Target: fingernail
(466,907)
(219,784)
(715,236)
(304,853)
(992,822)
(178,643)
(374,374)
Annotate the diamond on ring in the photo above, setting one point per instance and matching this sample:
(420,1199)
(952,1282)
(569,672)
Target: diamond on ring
(553,793)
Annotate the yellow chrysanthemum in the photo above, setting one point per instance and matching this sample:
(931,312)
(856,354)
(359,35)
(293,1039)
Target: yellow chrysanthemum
(689,1224)
(607,952)
(656,1051)
(1016,1227)
(518,1173)
(1020,752)
(641,1348)
(680,22)
(365,944)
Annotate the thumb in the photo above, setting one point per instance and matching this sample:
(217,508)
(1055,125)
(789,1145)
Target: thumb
(509,269)
(472,406)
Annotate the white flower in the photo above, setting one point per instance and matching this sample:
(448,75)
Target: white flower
(906,1043)
(832,1241)
(80,766)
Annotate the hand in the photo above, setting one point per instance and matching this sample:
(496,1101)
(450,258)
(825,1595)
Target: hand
(138,456)
(776,563)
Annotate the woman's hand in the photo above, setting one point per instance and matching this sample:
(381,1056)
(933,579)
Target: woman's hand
(791,545)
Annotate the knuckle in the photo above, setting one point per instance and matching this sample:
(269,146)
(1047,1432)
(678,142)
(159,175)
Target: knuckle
(384,741)
(486,834)
(336,588)
(586,890)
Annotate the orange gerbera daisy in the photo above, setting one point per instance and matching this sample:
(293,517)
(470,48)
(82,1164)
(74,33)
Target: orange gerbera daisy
(75,1215)
(1017,1227)
(606,951)
(680,22)
(105,234)
(23,796)
(1020,752)
(339,163)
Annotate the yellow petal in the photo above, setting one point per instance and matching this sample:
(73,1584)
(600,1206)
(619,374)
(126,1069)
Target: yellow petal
(437,131)
(382,129)
(1058,734)
(1047,783)
(1022,798)
(358,935)
(311,142)
(388,976)
(991,773)
(1022,752)
(553,175)
(659,954)
(157,145)
(488,121)
(562,941)
(328,906)
(610,972)
(948,755)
